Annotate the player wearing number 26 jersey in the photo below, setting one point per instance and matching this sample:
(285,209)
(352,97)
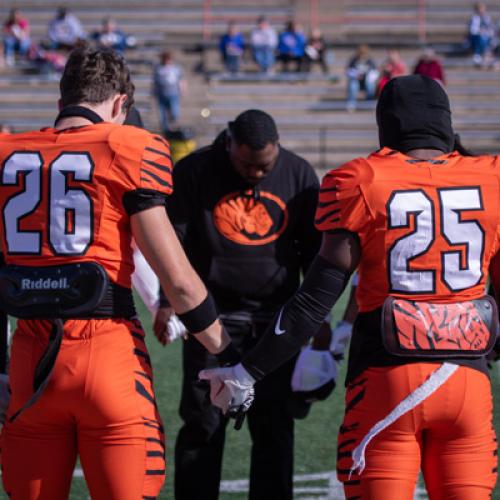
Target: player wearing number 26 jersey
(71,199)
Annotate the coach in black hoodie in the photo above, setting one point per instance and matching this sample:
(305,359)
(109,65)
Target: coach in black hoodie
(243,209)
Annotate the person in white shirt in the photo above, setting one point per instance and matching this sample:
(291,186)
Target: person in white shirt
(168,87)
(264,41)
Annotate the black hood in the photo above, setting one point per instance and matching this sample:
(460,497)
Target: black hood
(413,112)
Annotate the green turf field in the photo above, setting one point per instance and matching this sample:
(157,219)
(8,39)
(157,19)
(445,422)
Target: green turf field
(315,436)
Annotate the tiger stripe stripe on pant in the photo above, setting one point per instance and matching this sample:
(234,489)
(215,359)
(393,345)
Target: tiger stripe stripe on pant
(99,404)
(449,436)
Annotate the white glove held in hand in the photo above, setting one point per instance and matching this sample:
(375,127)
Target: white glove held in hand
(313,369)
(231,388)
(175,328)
(4,396)
(341,335)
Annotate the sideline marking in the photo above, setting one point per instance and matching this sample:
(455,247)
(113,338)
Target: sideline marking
(329,488)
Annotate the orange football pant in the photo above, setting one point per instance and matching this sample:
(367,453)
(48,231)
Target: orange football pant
(449,436)
(99,404)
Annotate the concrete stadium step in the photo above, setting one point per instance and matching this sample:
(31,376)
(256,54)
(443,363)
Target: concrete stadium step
(330,95)
(286,107)
(329,92)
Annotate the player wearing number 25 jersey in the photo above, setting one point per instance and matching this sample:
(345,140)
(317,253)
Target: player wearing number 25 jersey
(71,199)
(428,228)
(422,224)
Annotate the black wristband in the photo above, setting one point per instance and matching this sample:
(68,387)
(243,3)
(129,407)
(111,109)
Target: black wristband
(201,317)
(229,356)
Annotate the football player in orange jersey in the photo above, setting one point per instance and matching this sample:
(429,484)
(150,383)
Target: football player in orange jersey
(71,198)
(422,223)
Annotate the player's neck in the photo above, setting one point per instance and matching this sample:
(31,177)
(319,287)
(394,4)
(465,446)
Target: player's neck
(71,122)
(424,154)
(83,114)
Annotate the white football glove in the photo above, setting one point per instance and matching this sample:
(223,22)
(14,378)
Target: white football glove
(313,369)
(175,328)
(231,390)
(4,396)
(341,335)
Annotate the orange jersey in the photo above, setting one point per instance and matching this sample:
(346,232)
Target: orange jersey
(62,194)
(428,228)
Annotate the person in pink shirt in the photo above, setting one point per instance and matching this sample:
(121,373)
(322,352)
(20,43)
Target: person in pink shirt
(16,36)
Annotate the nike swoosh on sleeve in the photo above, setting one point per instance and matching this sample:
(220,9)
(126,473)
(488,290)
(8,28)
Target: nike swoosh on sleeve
(277,329)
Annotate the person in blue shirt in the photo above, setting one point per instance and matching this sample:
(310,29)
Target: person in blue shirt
(231,47)
(291,46)
(111,36)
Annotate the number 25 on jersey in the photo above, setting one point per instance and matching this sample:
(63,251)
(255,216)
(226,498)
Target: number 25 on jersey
(460,268)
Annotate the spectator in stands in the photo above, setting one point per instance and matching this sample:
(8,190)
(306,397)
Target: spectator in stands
(393,66)
(362,74)
(48,62)
(111,36)
(429,65)
(16,36)
(264,41)
(65,30)
(315,51)
(291,46)
(5,128)
(481,32)
(168,87)
(232,46)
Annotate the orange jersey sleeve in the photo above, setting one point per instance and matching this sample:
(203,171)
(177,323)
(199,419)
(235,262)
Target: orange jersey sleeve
(142,161)
(342,203)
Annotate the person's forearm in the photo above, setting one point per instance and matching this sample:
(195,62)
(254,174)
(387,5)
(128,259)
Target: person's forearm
(299,319)
(214,338)
(180,283)
(183,287)
(303,314)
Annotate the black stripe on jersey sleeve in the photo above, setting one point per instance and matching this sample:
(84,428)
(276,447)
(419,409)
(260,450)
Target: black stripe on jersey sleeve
(163,141)
(323,204)
(328,189)
(322,219)
(158,179)
(158,152)
(159,166)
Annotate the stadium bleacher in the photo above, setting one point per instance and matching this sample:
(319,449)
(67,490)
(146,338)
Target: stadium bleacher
(310,109)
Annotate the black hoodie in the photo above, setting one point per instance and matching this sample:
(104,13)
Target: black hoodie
(248,243)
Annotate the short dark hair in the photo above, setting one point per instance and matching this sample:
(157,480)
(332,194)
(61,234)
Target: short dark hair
(95,75)
(254,128)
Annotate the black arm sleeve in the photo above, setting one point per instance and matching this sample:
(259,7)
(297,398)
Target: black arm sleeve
(299,319)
